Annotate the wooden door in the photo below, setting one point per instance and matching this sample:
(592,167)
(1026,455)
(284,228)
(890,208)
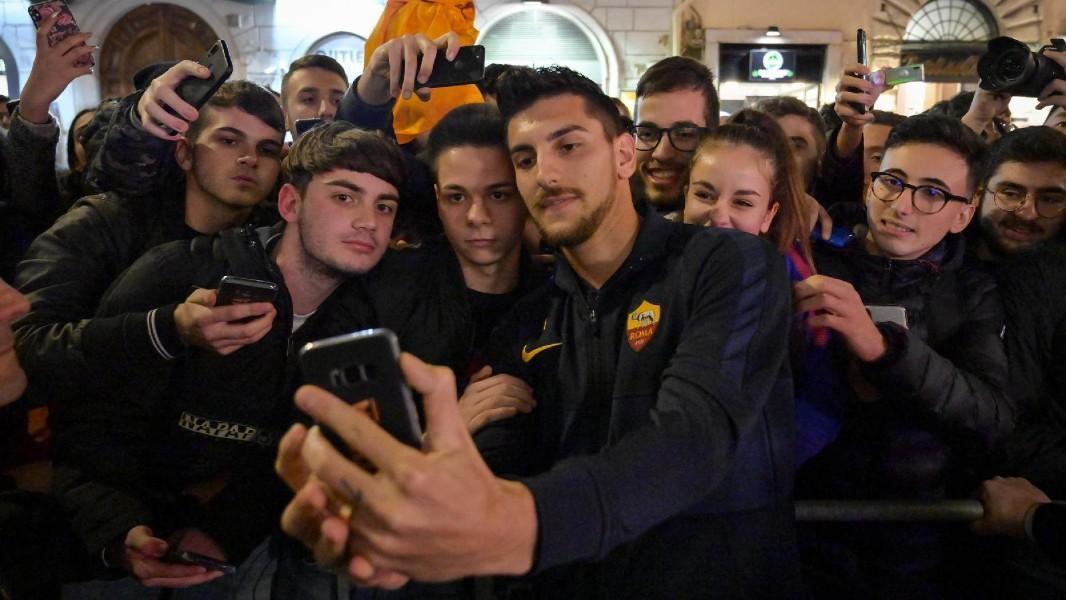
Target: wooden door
(146,35)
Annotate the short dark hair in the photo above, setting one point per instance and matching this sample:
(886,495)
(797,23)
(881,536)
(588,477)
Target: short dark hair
(313,61)
(251,98)
(946,132)
(956,107)
(783,106)
(478,125)
(521,87)
(681,72)
(341,145)
(884,117)
(487,85)
(1025,145)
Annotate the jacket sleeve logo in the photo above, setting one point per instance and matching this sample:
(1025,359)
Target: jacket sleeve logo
(641,325)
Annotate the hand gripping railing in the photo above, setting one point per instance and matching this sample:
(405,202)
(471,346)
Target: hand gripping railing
(840,511)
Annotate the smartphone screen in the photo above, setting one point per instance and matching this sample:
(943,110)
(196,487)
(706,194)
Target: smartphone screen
(65,26)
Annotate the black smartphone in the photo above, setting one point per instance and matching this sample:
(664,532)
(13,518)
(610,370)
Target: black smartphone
(65,26)
(302,126)
(184,557)
(365,367)
(198,91)
(468,67)
(242,290)
(862,53)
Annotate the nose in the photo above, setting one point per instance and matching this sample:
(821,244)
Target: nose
(1027,210)
(904,205)
(718,217)
(248,158)
(363,216)
(327,109)
(477,214)
(547,172)
(665,150)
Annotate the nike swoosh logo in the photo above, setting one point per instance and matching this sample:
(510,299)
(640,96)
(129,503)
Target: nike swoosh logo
(527,354)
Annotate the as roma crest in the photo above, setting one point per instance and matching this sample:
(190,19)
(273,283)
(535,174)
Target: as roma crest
(641,325)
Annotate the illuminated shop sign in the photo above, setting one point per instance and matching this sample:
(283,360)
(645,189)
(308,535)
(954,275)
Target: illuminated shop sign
(772,65)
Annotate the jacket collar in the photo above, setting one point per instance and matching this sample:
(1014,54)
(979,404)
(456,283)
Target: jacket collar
(652,242)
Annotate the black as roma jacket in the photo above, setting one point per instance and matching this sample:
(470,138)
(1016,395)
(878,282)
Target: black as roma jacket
(660,451)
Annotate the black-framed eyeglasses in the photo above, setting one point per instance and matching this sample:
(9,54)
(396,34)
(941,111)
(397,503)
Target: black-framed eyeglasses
(1049,203)
(927,199)
(684,138)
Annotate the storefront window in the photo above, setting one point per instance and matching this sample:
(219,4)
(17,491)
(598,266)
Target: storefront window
(538,36)
(346,48)
(950,20)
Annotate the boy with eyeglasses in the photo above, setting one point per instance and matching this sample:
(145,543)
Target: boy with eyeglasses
(927,367)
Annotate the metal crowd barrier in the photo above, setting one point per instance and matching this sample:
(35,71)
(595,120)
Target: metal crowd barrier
(840,511)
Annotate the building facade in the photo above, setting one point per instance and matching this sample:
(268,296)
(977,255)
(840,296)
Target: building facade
(612,41)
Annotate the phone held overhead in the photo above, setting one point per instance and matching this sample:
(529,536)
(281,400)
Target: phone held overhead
(64,27)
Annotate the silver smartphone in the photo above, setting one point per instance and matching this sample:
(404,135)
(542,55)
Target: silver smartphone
(881,313)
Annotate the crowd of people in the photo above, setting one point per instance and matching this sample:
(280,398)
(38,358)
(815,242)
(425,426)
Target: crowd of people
(635,342)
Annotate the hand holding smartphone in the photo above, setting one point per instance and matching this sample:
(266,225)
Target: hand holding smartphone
(65,25)
(365,367)
(468,67)
(184,557)
(862,53)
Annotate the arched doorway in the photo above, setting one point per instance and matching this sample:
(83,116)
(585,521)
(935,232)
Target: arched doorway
(149,34)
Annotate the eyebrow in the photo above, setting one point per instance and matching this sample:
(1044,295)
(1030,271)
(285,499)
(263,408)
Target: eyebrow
(1049,188)
(923,180)
(558,133)
(685,123)
(347,185)
(231,130)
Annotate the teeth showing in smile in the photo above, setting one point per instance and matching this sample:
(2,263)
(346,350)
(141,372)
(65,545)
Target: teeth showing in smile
(896,228)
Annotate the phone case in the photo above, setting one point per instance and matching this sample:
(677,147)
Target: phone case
(241,290)
(198,91)
(468,67)
(365,366)
(65,27)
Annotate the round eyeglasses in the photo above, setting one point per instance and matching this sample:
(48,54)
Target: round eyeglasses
(927,199)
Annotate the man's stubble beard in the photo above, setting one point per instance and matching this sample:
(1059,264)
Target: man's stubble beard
(584,229)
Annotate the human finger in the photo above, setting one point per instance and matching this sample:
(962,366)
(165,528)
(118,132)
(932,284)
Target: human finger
(410,63)
(491,416)
(235,312)
(346,478)
(482,373)
(332,542)
(182,582)
(158,118)
(444,421)
(289,463)
(45,28)
(396,53)
(358,431)
(169,97)
(303,516)
(71,42)
(365,573)
(450,42)
(429,58)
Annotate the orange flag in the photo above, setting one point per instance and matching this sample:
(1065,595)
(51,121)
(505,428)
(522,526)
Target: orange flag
(432,18)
